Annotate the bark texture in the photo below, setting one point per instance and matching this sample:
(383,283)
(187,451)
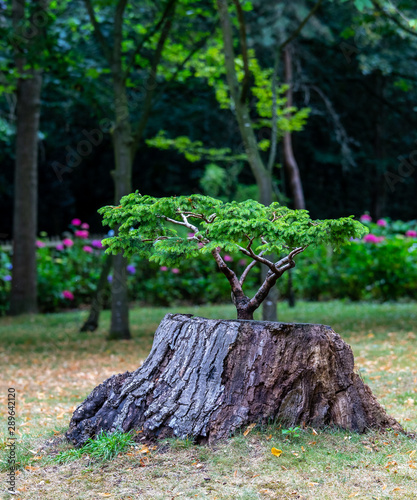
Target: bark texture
(207,378)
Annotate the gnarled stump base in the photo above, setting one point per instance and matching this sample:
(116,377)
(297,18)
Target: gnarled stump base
(206,378)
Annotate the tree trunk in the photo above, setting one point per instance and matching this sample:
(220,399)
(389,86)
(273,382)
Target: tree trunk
(23,297)
(91,323)
(290,163)
(122,141)
(205,379)
(260,172)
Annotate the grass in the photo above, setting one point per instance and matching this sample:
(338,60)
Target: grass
(53,367)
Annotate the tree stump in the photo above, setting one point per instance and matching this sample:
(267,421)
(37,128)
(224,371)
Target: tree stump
(207,378)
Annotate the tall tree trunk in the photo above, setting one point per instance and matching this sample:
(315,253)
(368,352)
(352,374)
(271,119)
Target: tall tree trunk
(290,163)
(259,170)
(23,297)
(122,174)
(378,190)
(204,379)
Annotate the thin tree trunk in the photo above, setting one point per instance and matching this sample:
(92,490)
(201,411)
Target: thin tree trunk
(259,170)
(91,324)
(122,141)
(290,163)
(23,297)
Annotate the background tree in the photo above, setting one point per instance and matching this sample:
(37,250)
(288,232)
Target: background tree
(29,26)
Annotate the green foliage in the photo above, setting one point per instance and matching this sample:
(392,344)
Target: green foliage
(291,432)
(147,227)
(106,446)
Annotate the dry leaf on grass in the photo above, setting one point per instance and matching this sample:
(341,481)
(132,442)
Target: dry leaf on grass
(248,429)
(276,452)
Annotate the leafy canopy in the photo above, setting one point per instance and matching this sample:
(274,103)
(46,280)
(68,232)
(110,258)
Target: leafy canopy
(169,230)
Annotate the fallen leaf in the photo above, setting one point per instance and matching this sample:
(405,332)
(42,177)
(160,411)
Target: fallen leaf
(312,443)
(396,489)
(315,432)
(353,494)
(313,484)
(268,437)
(276,452)
(248,429)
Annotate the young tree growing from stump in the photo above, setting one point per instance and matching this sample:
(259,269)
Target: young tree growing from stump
(206,378)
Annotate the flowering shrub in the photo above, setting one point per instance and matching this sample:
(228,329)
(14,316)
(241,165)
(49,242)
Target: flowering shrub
(382,266)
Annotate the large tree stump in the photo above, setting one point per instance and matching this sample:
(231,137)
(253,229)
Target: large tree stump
(207,378)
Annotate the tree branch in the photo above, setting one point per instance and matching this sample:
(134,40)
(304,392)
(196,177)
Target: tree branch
(244,49)
(97,31)
(149,34)
(230,275)
(298,30)
(380,8)
(247,270)
(151,81)
(118,33)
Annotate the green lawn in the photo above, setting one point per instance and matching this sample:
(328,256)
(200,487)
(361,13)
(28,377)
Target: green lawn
(53,367)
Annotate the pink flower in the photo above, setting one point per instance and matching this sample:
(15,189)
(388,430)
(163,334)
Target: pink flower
(242,262)
(68,295)
(60,246)
(87,249)
(200,245)
(85,225)
(366,218)
(228,258)
(81,233)
(381,222)
(371,238)
(97,244)
(40,244)
(76,222)
(163,268)
(411,234)
(67,242)
(190,235)
(175,270)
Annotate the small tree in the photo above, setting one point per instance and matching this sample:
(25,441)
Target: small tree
(148,227)
(203,378)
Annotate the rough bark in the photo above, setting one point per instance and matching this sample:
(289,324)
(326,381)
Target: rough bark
(205,379)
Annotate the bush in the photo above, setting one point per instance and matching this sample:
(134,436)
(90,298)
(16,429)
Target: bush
(382,266)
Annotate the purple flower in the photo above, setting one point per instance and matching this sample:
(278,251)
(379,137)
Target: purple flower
(87,249)
(228,258)
(131,269)
(7,278)
(163,268)
(190,235)
(411,234)
(381,222)
(60,246)
(68,295)
(175,270)
(109,278)
(97,244)
(40,244)
(76,222)
(366,218)
(85,226)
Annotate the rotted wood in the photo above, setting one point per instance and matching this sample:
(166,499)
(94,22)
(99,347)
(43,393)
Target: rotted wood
(207,378)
